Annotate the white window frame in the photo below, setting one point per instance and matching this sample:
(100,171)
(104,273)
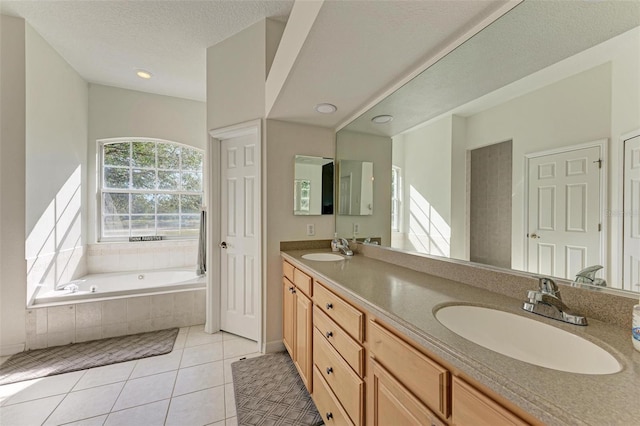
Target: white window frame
(396,200)
(100,189)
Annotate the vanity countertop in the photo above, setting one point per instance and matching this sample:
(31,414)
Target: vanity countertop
(407,300)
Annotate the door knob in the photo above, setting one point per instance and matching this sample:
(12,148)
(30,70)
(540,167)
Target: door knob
(223,245)
(534,236)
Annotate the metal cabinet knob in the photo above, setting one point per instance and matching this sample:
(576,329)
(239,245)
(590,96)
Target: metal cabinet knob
(329,334)
(329,370)
(329,416)
(329,305)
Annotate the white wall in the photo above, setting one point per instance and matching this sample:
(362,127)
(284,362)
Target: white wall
(115,112)
(427,186)
(376,149)
(283,142)
(13,276)
(56,166)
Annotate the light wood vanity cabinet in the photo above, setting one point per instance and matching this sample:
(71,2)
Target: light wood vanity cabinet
(297,324)
(338,356)
(379,373)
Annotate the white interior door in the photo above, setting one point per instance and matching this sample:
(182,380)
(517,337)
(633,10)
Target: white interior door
(631,243)
(240,232)
(564,212)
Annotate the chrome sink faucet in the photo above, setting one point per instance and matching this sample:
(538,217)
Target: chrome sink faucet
(344,247)
(588,276)
(548,303)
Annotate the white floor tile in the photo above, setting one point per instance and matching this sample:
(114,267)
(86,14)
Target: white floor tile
(198,408)
(201,354)
(233,421)
(196,338)
(105,375)
(40,388)
(145,390)
(93,421)
(229,336)
(239,347)
(228,378)
(157,364)
(3,359)
(180,342)
(229,401)
(147,415)
(85,404)
(199,377)
(29,413)
(220,423)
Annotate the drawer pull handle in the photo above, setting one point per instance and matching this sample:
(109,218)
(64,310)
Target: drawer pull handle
(329,370)
(329,305)
(329,416)
(329,334)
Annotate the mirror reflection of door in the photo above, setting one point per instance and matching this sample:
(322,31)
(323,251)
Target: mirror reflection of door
(631,249)
(564,211)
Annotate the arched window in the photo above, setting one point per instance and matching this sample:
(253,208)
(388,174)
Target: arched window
(149,187)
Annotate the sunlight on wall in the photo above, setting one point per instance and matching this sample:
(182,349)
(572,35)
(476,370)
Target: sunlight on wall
(428,231)
(54,248)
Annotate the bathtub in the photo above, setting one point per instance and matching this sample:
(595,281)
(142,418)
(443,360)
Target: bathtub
(121,284)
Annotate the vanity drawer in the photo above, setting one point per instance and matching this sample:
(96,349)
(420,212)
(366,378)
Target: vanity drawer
(345,384)
(425,378)
(326,402)
(345,315)
(302,281)
(471,407)
(351,351)
(287,270)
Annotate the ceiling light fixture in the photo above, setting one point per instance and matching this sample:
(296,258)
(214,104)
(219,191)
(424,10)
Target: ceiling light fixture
(143,74)
(382,119)
(325,108)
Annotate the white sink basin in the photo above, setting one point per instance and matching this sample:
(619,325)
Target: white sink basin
(323,257)
(527,340)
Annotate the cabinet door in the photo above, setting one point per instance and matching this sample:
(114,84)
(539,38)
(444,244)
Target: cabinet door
(303,338)
(471,407)
(288,311)
(392,404)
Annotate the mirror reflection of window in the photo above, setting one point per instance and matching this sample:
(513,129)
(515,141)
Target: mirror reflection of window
(302,196)
(396,191)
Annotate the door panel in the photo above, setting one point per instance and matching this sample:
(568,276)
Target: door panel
(564,212)
(240,266)
(631,249)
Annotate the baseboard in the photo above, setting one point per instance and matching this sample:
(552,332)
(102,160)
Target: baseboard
(6,350)
(275,346)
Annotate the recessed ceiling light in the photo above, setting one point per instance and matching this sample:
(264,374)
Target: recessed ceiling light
(382,119)
(326,108)
(143,74)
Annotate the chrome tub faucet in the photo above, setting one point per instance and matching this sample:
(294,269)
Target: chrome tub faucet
(548,303)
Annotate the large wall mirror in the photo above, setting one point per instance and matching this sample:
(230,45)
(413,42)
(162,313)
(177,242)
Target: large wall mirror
(519,149)
(312,185)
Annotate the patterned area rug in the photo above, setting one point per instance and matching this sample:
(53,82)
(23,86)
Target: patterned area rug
(269,391)
(80,356)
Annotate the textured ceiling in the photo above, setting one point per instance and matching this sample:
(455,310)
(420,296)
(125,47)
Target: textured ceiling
(532,36)
(104,41)
(357,49)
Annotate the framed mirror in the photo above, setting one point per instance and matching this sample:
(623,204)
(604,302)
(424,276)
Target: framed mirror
(313,185)
(510,150)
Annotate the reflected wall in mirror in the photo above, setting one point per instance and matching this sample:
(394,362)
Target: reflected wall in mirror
(518,160)
(355,188)
(313,186)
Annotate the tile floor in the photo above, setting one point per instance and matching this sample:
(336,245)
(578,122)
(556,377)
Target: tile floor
(190,386)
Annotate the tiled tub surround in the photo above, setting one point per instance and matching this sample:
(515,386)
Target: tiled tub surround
(139,256)
(405,290)
(81,322)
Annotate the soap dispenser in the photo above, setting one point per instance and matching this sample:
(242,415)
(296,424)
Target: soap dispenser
(335,242)
(635,327)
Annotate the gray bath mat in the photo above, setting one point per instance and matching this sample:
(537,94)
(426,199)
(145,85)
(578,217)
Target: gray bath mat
(269,391)
(80,356)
